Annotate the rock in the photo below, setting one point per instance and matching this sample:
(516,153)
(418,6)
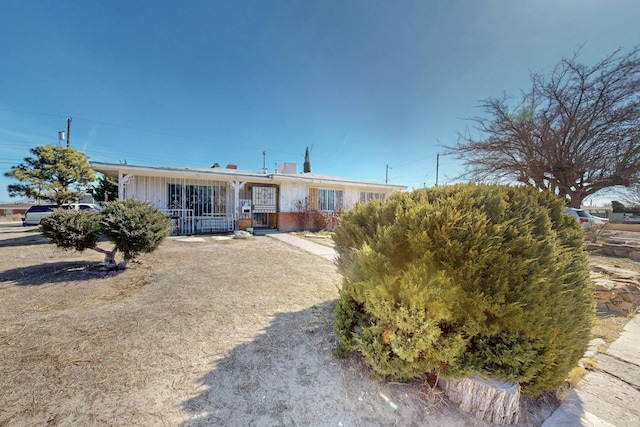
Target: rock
(493,400)
(619,249)
(242,235)
(593,247)
(617,289)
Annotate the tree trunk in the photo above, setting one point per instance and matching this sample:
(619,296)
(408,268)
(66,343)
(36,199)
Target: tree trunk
(110,258)
(489,399)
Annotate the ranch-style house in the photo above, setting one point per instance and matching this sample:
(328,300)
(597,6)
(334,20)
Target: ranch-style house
(217,199)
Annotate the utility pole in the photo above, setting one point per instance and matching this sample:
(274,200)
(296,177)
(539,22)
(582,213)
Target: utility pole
(386,180)
(66,137)
(69,132)
(437,167)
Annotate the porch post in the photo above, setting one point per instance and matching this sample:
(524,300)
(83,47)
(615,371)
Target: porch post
(122,181)
(120,189)
(237,186)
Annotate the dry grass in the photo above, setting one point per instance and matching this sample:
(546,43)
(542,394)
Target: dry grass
(11,218)
(324,238)
(73,335)
(608,327)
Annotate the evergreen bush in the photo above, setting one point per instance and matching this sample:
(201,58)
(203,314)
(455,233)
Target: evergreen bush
(70,229)
(465,279)
(134,227)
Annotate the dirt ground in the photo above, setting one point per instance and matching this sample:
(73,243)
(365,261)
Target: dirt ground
(204,331)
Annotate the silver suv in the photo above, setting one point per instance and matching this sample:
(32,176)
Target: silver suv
(584,218)
(586,221)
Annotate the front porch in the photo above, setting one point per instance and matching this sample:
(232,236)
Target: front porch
(200,206)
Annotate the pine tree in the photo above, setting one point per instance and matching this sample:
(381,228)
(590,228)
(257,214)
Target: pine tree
(307,162)
(106,190)
(55,173)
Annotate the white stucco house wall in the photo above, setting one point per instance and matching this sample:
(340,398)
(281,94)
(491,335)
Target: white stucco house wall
(218,199)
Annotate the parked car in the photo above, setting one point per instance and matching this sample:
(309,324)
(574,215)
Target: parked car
(82,206)
(35,213)
(584,218)
(599,220)
(586,221)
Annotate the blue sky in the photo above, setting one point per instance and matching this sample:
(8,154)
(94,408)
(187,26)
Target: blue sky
(365,84)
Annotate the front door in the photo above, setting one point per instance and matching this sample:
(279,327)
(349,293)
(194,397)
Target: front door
(264,201)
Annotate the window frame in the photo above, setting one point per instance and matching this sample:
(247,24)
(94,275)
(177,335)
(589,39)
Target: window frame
(327,199)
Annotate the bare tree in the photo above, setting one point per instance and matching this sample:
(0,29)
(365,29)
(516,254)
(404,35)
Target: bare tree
(631,195)
(574,133)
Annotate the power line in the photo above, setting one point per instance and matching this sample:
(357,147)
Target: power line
(156,132)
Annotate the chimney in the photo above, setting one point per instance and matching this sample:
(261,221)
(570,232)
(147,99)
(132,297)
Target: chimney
(232,166)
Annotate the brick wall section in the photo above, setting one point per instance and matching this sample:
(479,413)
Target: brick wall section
(290,221)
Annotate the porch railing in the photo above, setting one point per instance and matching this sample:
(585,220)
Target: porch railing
(183,221)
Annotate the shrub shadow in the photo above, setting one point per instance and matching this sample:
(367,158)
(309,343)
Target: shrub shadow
(54,272)
(287,375)
(30,237)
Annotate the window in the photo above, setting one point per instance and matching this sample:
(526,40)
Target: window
(201,199)
(327,200)
(366,196)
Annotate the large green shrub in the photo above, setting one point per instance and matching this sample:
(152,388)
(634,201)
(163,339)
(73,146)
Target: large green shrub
(70,229)
(134,227)
(465,279)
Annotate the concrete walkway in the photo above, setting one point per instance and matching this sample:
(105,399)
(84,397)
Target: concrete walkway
(314,248)
(610,394)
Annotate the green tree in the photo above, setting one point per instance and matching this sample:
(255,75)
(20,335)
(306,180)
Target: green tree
(618,207)
(465,279)
(573,133)
(55,173)
(307,162)
(134,227)
(106,190)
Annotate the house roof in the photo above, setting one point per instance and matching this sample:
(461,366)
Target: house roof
(114,170)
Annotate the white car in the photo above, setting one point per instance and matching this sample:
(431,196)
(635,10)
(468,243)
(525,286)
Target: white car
(35,213)
(82,206)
